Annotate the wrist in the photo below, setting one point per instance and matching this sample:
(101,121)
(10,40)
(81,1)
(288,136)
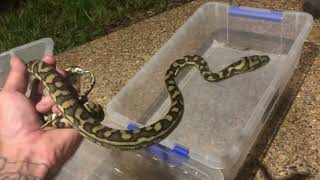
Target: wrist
(22,162)
(24,168)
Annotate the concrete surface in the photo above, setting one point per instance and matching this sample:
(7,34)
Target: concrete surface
(293,129)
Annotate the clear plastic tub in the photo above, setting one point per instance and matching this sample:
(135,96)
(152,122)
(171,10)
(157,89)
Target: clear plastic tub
(34,50)
(221,120)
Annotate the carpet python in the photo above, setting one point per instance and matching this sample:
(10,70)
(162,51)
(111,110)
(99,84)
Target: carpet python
(77,112)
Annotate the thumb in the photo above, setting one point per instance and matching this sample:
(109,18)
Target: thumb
(17,78)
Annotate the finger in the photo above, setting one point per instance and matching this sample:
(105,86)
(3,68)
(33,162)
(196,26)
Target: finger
(55,109)
(62,72)
(38,93)
(49,60)
(52,61)
(17,78)
(45,105)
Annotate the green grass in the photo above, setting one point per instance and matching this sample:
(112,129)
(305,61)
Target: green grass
(68,22)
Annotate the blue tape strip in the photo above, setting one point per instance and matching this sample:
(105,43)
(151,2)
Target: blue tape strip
(180,150)
(276,16)
(168,155)
(177,151)
(159,152)
(153,148)
(132,127)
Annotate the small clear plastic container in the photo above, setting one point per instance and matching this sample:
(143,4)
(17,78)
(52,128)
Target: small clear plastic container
(27,52)
(221,120)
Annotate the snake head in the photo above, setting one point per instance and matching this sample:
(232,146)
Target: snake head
(257,61)
(264,59)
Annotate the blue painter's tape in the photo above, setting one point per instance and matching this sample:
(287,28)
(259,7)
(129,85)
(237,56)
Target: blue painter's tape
(276,16)
(155,149)
(170,155)
(132,127)
(180,150)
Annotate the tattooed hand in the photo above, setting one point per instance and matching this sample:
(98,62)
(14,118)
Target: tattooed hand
(26,151)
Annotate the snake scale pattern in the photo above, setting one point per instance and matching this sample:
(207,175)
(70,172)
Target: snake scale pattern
(77,112)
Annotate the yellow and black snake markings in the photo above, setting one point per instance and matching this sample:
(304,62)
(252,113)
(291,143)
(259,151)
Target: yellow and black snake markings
(84,116)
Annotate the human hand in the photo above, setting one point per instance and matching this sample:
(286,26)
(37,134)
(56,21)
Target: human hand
(26,150)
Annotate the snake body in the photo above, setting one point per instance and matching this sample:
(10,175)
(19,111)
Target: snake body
(74,113)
